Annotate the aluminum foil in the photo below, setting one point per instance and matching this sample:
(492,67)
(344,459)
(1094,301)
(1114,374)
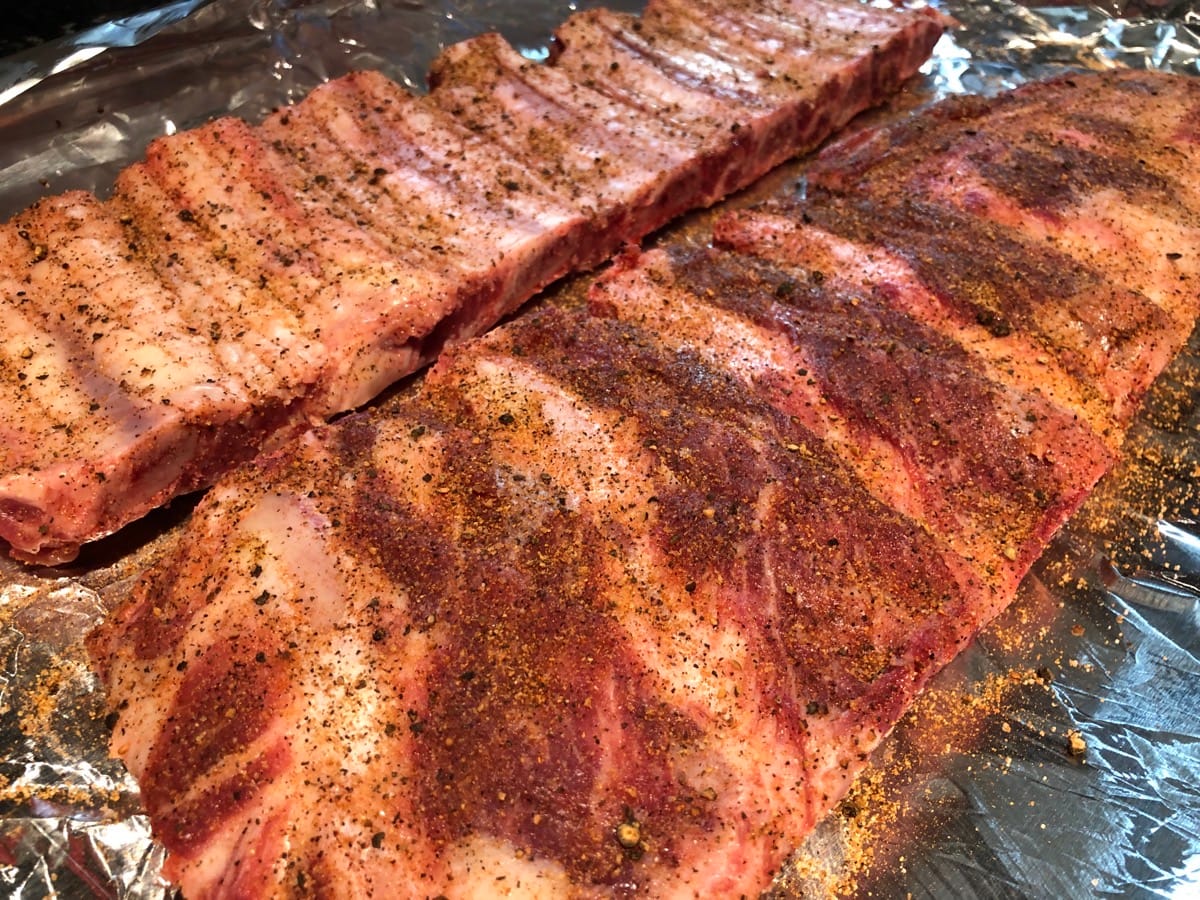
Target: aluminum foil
(1059,756)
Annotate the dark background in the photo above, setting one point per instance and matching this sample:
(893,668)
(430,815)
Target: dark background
(22,25)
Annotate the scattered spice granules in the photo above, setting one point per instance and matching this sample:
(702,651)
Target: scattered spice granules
(861,832)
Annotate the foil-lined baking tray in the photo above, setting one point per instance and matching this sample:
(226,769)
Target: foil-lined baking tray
(1059,756)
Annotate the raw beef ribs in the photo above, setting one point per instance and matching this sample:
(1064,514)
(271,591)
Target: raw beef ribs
(244,280)
(622,599)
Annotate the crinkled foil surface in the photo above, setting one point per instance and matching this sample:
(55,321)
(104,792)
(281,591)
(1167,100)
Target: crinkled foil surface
(1058,757)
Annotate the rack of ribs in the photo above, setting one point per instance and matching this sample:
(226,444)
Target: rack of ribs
(244,281)
(623,597)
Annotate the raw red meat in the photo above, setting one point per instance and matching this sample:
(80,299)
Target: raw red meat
(244,281)
(622,599)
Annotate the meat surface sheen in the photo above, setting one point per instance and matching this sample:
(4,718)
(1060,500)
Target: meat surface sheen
(246,280)
(1086,213)
(619,602)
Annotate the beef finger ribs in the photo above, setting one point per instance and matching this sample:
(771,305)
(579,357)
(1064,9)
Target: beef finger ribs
(620,601)
(244,281)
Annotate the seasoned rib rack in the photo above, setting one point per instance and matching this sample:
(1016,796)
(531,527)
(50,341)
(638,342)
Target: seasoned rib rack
(620,601)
